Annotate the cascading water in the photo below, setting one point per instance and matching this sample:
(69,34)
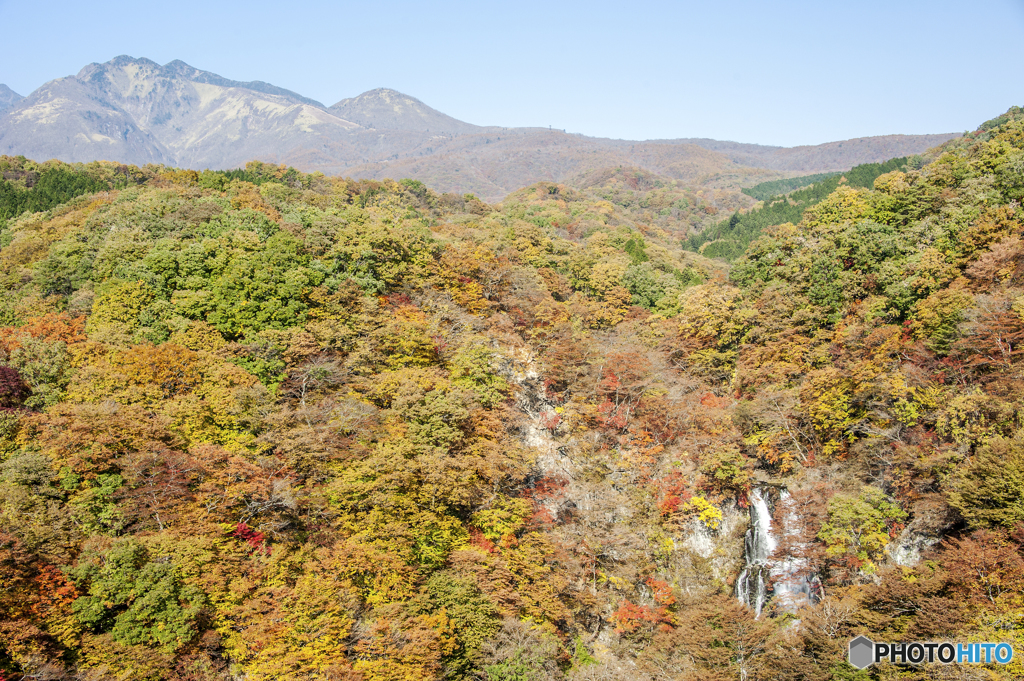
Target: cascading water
(762,577)
(752,586)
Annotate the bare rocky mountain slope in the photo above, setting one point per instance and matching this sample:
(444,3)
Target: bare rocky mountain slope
(8,97)
(137,111)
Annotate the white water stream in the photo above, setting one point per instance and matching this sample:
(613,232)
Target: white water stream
(752,585)
(786,580)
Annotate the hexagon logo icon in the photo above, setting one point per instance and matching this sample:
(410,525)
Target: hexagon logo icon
(862,652)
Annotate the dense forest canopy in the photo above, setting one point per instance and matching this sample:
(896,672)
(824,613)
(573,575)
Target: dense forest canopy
(782,201)
(265,424)
(772,188)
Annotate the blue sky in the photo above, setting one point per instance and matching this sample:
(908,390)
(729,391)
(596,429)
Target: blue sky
(779,72)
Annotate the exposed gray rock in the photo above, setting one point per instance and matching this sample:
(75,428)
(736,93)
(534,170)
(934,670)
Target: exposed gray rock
(136,111)
(69,120)
(909,546)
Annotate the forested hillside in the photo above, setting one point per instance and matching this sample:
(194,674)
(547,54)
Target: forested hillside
(272,425)
(782,201)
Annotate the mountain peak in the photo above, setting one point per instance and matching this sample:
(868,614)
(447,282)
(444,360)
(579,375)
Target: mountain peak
(384,91)
(125,59)
(179,69)
(387,94)
(97,71)
(387,109)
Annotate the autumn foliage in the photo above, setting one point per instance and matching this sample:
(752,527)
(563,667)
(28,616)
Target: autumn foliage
(274,425)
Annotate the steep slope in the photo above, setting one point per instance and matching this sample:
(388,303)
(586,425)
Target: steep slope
(264,424)
(69,120)
(180,69)
(8,97)
(138,111)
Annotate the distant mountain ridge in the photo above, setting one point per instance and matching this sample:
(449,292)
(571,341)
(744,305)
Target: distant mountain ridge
(386,109)
(137,111)
(836,154)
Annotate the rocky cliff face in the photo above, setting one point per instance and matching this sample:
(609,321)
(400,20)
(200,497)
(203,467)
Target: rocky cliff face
(605,515)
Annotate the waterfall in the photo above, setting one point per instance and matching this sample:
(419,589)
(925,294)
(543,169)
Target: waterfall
(752,585)
(786,579)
